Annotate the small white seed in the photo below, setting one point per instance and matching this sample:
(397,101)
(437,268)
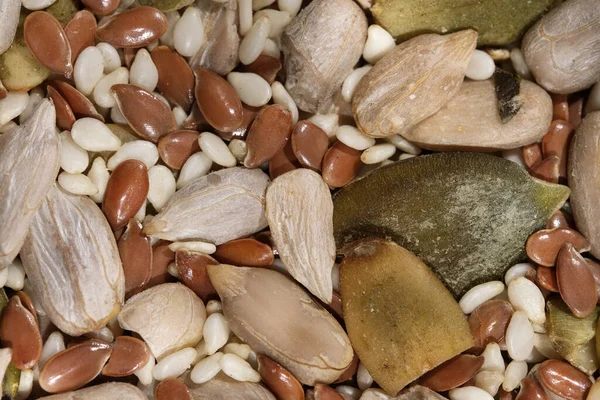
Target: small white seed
(354,138)
(351,82)
(214,306)
(490,381)
(363,377)
(281,96)
(481,66)
(197,165)
(78,184)
(379,43)
(93,135)
(524,295)
(35,5)
(167,38)
(25,384)
(145,374)
(214,147)
(99,176)
(162,186)
(239,349)
(206,369)
(215,332)
(252,89)
(36,95)
(492,358)
(291,6)
(73,158)
(12,106)
(519,336)
(188,34)
(174,364)
(404,145)
(279,21)
(254,41)
(88,70)
(479,294)
(102,95)
(328,122)
(378,153)
(110,57)
(53,345)
(515,372)
(141,150)
(16,275)
(143,72)
(516,271)
(238,369)
(469,393)
(194,246)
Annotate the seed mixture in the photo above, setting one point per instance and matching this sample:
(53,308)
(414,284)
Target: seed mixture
(287,199)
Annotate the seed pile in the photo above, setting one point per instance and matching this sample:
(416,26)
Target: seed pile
(326,199)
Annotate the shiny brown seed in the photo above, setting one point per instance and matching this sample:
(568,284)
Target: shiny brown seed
(171,389)
(532,155)
(54,51)
(268,134)
(81,32)
(134,28)
(191,267)
(564,380)
(145,112)
(135,250)
(218,101)
(488,323)
(559,220)
(504,395)
(28,304)
(265,66)
(196,121)
(19,331)
(335,307)
(82,107)
(453,373)
(176,147)
(101,7)
(74,367)
(531,390)
(126,191)
(284,161)
(560,106)
(245,252)
(546,278)
(340,164)
(556,143)
(249,115)
(543,246)
(576,109)
(64,115)
(162,256)
(547,170)
(324,392)
(595,268)
(350,371)
(282,383)
(129,56)
(129,354)
(310,143)
(575,281)
(175,77)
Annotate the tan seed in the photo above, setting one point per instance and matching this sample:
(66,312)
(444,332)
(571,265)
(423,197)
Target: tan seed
(175,77)
(543,246)
(126,191)
(350,371)
(268,134)
(245,252)
(171,389)
(81,32)
(20,332)
(453,373)
(546,278)
(134,28)
(576,110)
(54,51)
(176,147)
(335,306)
(264,66)
(191,267)
(324,392)
(559,220)
(218,101)
(531,390)
(556,143)
(488,323)
(547,170)
(560,106)
(575,281)
(129,354)
(532,155)
(564,380)
(136,255)
(64,115)
(310,143)
(145,112)
(340,164)
(101,7)
(281,381)
(74,367)
(282,162)
(82,107)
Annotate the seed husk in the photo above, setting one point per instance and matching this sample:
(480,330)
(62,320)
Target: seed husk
(111,390)
(390,296)
(508,86)
(9,20)
(425,203)
(225,387)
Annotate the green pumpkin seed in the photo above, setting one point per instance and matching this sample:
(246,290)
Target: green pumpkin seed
(12,377)
(166,5)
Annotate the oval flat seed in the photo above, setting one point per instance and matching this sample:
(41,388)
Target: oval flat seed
(453,373)
(78,184)
(81,32)
(479,295)
(532,155)
(74,367)
(340,164)
(268,134)
(28,304)
(547,169)
(354,138)
(19,331)
(175,78)
(519,336)
(176,147)
(531,390)
(559,220)
(254,41)
(575,281)
(136,255)
(546,278)
(126,191)
(188,33)
(489,321)
(252,89)
(129,354)
(324,392)
(248,116)
(64,115)
(543,246)
(564,380)
(197,165)
(141,150)
(378,153)
(524,295)
(218,101)
(283,162)
(134,28)
(82,107)
(145,112)
(93,135)
(102,94)
(54,52)
(264,66)
(101,7)
(73,158)
(556,143)
(216,149)
(191,267)
(245,252)
(281,381)
(595,268)
(310,143)
(560,106)
(171,389)
(88,70)
(207,368)
(174,364)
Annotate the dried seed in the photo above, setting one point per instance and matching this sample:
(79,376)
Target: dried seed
(171,389)
(102,94)
(140,150)
(354,138)
(252,89)
(54,52)
(29,157)
(532,155)
(19,331)
(559,220)
(524,295)
(206,369)
(519,336)
(74,367)
(218,101)
(340,164)
(112,390)
(479,294)
(88,70)
(547,170)
(245,252)
(531,390)
(556,143)
(268,135)
(134,28)
(191,267)
(254,40)
(264,66)
(194,213)
(544,245)
(222,385)
(216,149)
(78,184)
(281,382)
(128,356)
(310,143)
(469,393)
(178,313)
(82,107)
(136,255)
(162,257)
(64,115)
(489,321)
(283,162)
(453,373)
(9,20)
(563,379)
(126,191)
(197,165)
(546,278)
(575,281)
(81,32)
(175,78)
(324,392)
(215,333)
(111,57)
(515,372)
(352,81)
(93,135)
(174,364)
(101,7)
(188,33)
(162,186)
(333,33)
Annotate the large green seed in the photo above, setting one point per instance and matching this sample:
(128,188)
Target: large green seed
(166,5)
(466,215)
